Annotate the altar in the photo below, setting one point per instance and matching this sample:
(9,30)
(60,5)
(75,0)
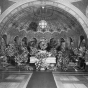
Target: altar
(48,60)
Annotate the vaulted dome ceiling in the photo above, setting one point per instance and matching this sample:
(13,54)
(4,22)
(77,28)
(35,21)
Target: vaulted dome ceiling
(56,19)
(42,21)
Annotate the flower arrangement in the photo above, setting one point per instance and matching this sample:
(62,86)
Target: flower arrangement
(63,61)
(41,62)
(33,51)
(10,50)
(22,57)
(41,55)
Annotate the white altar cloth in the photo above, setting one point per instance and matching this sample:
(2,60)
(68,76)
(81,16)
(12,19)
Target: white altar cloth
(48,60)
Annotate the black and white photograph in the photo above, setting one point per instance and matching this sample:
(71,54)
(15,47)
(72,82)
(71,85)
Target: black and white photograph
(43,43)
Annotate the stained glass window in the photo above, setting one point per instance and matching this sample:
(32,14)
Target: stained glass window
(43,24)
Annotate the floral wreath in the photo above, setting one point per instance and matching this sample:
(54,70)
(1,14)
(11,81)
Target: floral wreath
(43,44)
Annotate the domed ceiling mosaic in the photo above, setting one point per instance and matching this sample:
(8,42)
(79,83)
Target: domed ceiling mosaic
(42,22)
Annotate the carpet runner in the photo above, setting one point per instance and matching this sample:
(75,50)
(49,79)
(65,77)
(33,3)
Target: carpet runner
(42,80)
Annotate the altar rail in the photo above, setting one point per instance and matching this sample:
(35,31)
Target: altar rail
(48,60)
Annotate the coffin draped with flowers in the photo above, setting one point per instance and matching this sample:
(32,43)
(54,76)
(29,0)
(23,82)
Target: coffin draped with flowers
(42,60)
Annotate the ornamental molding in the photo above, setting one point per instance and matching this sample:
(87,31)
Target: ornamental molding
(69,1)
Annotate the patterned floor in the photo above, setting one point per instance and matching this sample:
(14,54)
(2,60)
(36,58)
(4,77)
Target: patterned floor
(14,80)
(62,79)
(71,80)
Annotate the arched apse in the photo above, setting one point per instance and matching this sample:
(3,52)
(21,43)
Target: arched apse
(63,4)
(22,10)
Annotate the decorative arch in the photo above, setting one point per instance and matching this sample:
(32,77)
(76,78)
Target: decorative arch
(81,18)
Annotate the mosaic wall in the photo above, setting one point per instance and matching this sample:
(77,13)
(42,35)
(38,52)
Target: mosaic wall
(42,21)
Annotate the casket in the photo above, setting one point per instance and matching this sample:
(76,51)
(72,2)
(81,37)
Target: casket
(48,60)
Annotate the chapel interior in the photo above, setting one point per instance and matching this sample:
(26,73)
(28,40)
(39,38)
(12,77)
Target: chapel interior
(43,44)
